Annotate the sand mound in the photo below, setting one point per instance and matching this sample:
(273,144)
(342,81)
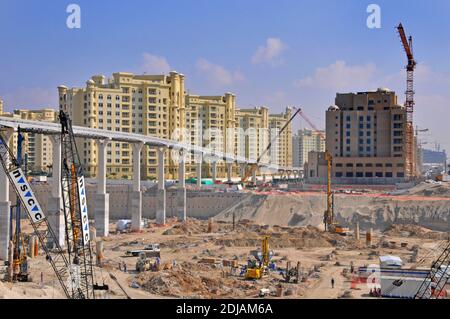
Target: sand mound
(414,231)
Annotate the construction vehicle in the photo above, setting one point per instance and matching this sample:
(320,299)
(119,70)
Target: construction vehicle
(253,167)
(255,270)
(292,272)
(145,263)
(38,220)
(330,224)
(151,250)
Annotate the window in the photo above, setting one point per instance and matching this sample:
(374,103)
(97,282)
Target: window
(361,149)
(347,141)
(371,102)
(359,174)
(360,108)
(368,164)
(388,174)
(348,118)
(338,164)
(398,125)
(398,141)
(379,174)
(368,149)
(361,141)
(368,125)
(369,174)
(361,133)
(400,174)
(349,165)
(348,126)
(338,174)
(361,126)
(398,117)
(368,141)
(349,174)
(361,118)
(347,133)
(398,149)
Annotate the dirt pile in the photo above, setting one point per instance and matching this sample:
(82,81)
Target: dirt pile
(282,237)
(417,231)
(194,227)
(194,281)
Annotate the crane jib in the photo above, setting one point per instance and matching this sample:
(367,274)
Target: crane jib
(26,195)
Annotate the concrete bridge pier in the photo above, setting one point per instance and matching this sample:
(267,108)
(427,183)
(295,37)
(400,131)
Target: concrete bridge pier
(229,171)
(214,170)
(136,194)
(102,197)
(181,198)
(199,160)
(161,195)
(5,204)
(55,209)
(242,169)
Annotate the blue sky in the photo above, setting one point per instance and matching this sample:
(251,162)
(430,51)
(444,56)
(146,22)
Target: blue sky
(273,53)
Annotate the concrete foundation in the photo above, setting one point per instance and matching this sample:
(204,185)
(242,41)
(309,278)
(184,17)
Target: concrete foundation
(136,210)
(101,214)
(181,204)
(55,214)
(4,229)
(161,207)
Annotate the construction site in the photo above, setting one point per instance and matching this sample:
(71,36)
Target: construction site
(355,222)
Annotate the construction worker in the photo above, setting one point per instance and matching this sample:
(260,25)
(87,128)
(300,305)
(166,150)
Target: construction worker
(332,282)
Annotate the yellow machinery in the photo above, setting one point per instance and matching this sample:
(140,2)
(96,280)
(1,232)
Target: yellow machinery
(255,271)
(330,224)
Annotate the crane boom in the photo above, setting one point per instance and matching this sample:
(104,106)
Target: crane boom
(39,221)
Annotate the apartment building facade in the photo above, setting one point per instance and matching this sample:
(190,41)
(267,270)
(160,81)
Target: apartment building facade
(283,149)
(365,133)
(252,132)
(210,122)
(143,104)
(306,141)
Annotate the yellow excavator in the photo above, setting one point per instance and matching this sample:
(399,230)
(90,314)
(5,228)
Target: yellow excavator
(328,218)
(255,271)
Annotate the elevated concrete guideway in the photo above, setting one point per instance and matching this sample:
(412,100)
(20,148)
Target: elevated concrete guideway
(48,128)
(102,138)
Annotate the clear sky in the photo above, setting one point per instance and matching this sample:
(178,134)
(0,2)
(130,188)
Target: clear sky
(273,53)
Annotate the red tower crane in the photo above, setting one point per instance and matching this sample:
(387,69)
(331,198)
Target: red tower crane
(409,104)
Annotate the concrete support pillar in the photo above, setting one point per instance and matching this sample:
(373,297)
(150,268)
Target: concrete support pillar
(229,171)
(55,209)
(5,205)
(357,231)
(136,196)
(101,198)
(254,176)
(264,178)
(214,171)
(199,160)
(182,187)
(161,195)
(242,169)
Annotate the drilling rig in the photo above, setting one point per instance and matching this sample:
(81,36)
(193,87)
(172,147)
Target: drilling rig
(409,103)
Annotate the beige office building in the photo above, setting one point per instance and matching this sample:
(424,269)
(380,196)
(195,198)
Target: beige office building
(306,141)
(365,133)
(143,104)
(283,149)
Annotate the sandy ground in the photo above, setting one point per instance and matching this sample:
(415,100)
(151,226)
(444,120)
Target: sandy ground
(322,256)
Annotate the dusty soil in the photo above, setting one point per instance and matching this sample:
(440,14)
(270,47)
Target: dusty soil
(184,247)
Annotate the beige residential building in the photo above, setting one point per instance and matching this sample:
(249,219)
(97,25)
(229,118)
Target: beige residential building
(306,141)
(210,120)
(252,132)
(365,133)
(38,147)
(1,106)
(143,104)
(283,149)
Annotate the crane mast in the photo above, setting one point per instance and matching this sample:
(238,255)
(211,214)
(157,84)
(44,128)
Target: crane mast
(409,103)
(75,212)
(41,226)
